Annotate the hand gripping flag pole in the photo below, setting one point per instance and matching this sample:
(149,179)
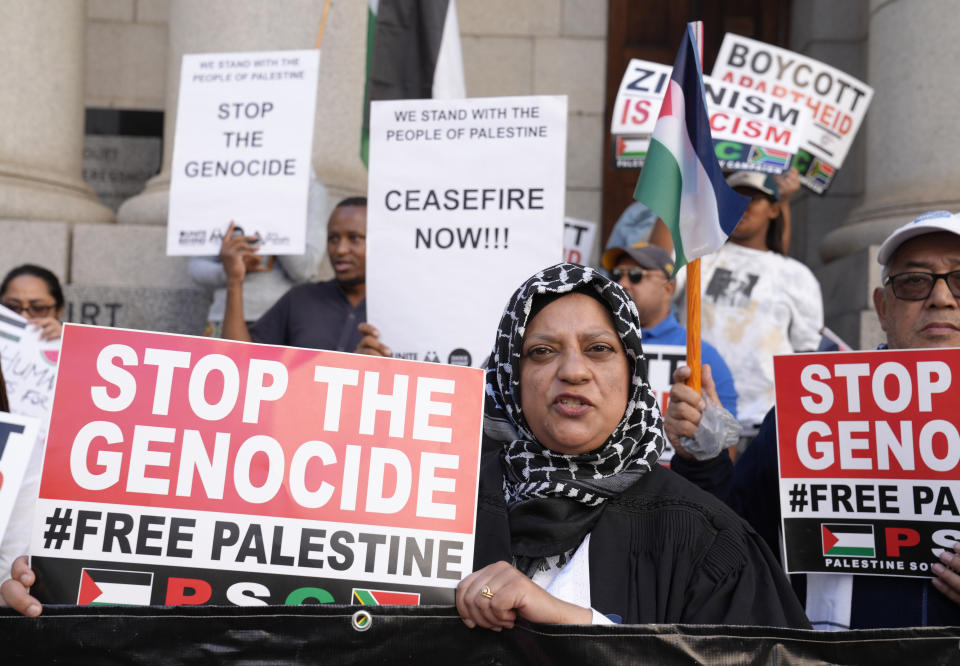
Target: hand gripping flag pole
(682,182)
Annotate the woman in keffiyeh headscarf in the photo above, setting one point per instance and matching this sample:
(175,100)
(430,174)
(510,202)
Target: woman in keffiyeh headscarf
(576,522)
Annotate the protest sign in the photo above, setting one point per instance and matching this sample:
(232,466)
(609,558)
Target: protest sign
(837,101)
(242,150)
(466,201)
(578,240)
(751,130)
(18,436)
(869,448)
(639,97)
(662,360)
(185,470)
(29,366)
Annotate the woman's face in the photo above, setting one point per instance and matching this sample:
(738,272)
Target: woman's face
(574,375)
(30,296)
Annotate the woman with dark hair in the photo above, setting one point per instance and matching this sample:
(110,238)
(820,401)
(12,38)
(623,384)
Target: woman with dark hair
(576,521)
(35,293)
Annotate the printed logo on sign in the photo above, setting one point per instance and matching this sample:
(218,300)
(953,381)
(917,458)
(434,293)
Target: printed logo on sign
(113,587)
(841,540)
(776,159)
(273,238)
(409,356)
(193,237)
(459,356)
(820,173)
(362,597)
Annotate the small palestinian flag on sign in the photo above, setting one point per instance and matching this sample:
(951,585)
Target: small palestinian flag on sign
(112,587)
(363,597)
(841,540)
(12,325)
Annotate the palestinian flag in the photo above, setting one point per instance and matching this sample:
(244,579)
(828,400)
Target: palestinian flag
(413,52)
(12,325)
(840,540)
(112,587)
(363,597)
(681,180)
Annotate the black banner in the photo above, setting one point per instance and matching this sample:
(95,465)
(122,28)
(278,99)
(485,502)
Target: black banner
(431,635)
(852,546)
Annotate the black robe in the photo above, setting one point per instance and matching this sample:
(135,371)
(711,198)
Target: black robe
(663,552)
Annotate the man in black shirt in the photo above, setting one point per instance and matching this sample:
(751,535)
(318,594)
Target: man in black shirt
(318,315)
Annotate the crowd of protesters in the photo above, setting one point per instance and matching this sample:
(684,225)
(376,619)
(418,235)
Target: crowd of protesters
(578,521)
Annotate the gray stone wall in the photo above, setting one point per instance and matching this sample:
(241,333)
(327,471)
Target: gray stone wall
(837,33)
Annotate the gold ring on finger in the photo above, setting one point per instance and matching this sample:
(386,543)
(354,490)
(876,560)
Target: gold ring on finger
(486,592)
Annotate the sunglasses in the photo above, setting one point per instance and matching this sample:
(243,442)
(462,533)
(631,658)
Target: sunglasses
(918,286)
(634,274)
(33,309)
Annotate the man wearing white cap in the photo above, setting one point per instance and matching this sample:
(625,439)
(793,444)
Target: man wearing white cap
(918,304)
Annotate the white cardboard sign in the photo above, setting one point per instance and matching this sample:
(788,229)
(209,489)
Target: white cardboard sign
(838,102)
(242,150)
(751,130)
(578,240)
(18,436)
(29,366)
(465,202)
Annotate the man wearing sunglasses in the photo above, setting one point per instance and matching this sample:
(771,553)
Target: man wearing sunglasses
(918,304)
(645,271)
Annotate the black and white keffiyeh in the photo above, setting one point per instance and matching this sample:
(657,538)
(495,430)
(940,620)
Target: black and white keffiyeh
(531,470)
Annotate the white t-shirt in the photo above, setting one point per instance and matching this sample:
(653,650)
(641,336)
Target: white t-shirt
(756,304)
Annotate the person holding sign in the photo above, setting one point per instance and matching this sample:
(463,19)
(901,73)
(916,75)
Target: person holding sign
(918,306)
(576,521)
(34,292)
(266,278)
(645,271)
(317,315)
(757,302)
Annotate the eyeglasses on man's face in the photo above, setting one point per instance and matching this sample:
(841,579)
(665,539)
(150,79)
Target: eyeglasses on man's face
(917,286)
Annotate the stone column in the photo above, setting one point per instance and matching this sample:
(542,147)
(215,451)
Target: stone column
(910,165)
(912,142)
(41,113)
(254,25)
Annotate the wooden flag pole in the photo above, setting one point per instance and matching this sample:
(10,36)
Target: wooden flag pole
(693,276)
(323,24)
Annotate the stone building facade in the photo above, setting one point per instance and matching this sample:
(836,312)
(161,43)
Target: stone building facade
(124,55)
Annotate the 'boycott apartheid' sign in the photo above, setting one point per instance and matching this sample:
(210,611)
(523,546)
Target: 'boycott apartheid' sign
(466,201)
(241,150)
(869,452)
(837,100)
(751,130)
(184,470)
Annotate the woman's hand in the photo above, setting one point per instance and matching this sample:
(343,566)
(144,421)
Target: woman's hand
(788,183)
(50,328)
(498,594)
(14,592)
(370,343)
(685,407)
